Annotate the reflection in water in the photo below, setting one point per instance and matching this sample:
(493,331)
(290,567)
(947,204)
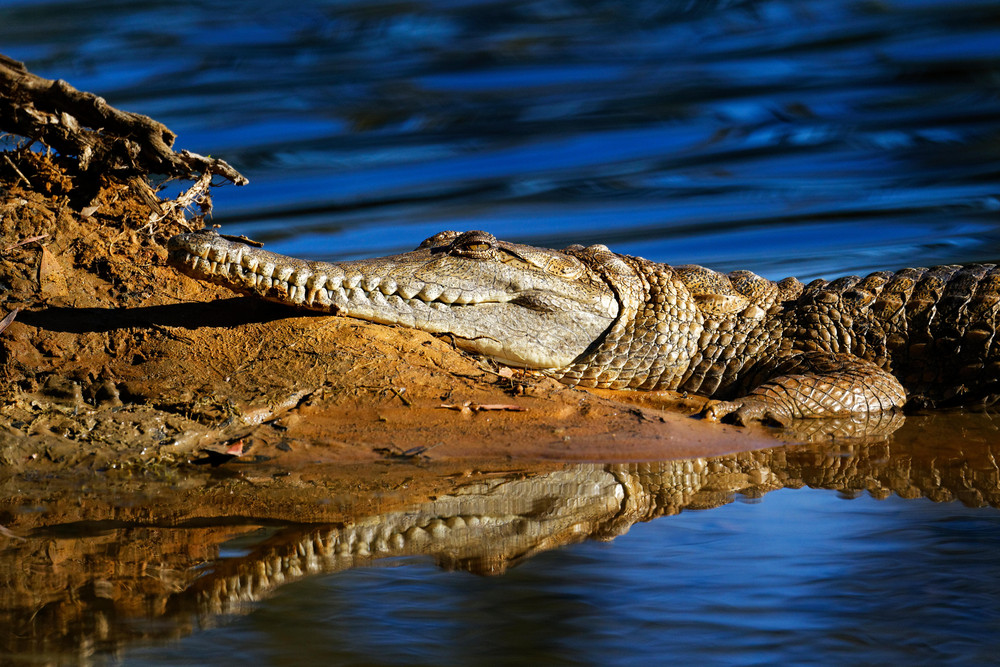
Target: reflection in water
(71,588)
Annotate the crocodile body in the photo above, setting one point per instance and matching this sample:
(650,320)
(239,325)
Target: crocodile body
(590,317)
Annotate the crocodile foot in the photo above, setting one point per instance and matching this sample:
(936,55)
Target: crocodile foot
(814,385)
(748,410)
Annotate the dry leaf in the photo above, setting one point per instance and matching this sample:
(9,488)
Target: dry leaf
(51,279)
(5,322)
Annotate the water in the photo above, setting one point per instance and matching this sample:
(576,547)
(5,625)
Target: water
(799,578)
(807,137)
(823,554)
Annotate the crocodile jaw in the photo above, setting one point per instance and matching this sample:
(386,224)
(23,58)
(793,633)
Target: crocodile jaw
(520,316)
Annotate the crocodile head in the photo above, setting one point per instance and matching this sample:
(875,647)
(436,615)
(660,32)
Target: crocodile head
(523,306)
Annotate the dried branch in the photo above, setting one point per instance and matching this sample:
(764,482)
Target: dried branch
(86,126)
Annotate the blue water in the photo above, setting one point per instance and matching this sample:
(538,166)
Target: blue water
(805,137)
(797,137)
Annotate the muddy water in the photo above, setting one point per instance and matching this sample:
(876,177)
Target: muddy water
(792,138)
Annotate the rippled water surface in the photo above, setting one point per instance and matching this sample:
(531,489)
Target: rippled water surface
(806,137)
(798,137)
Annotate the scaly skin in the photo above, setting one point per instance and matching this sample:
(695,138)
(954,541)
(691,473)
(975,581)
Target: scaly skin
(589,317)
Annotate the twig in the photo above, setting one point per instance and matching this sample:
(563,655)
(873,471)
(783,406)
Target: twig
(469,406)
(17,171)
(174,209)
(26,241)
(400,392)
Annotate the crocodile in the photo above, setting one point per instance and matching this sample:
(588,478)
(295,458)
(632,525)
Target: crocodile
(765,350)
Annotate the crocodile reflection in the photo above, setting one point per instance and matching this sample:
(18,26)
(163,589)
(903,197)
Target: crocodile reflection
(487,527)
(484,526)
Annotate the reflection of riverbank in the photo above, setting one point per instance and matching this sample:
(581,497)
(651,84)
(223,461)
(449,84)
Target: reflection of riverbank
(180,552)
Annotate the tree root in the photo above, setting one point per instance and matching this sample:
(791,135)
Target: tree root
(101,137)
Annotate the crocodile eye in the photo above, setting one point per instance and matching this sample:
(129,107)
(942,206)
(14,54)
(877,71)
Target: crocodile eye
(477,245)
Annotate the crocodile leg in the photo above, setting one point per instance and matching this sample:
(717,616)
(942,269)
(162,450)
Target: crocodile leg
(815,384)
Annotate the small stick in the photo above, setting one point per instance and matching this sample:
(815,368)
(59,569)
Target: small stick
(25,242)
(18,171)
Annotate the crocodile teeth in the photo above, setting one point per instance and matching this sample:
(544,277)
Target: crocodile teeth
(350,282)
(357,296)
(216,255)
(315,289)
(267,270)
(300,278)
